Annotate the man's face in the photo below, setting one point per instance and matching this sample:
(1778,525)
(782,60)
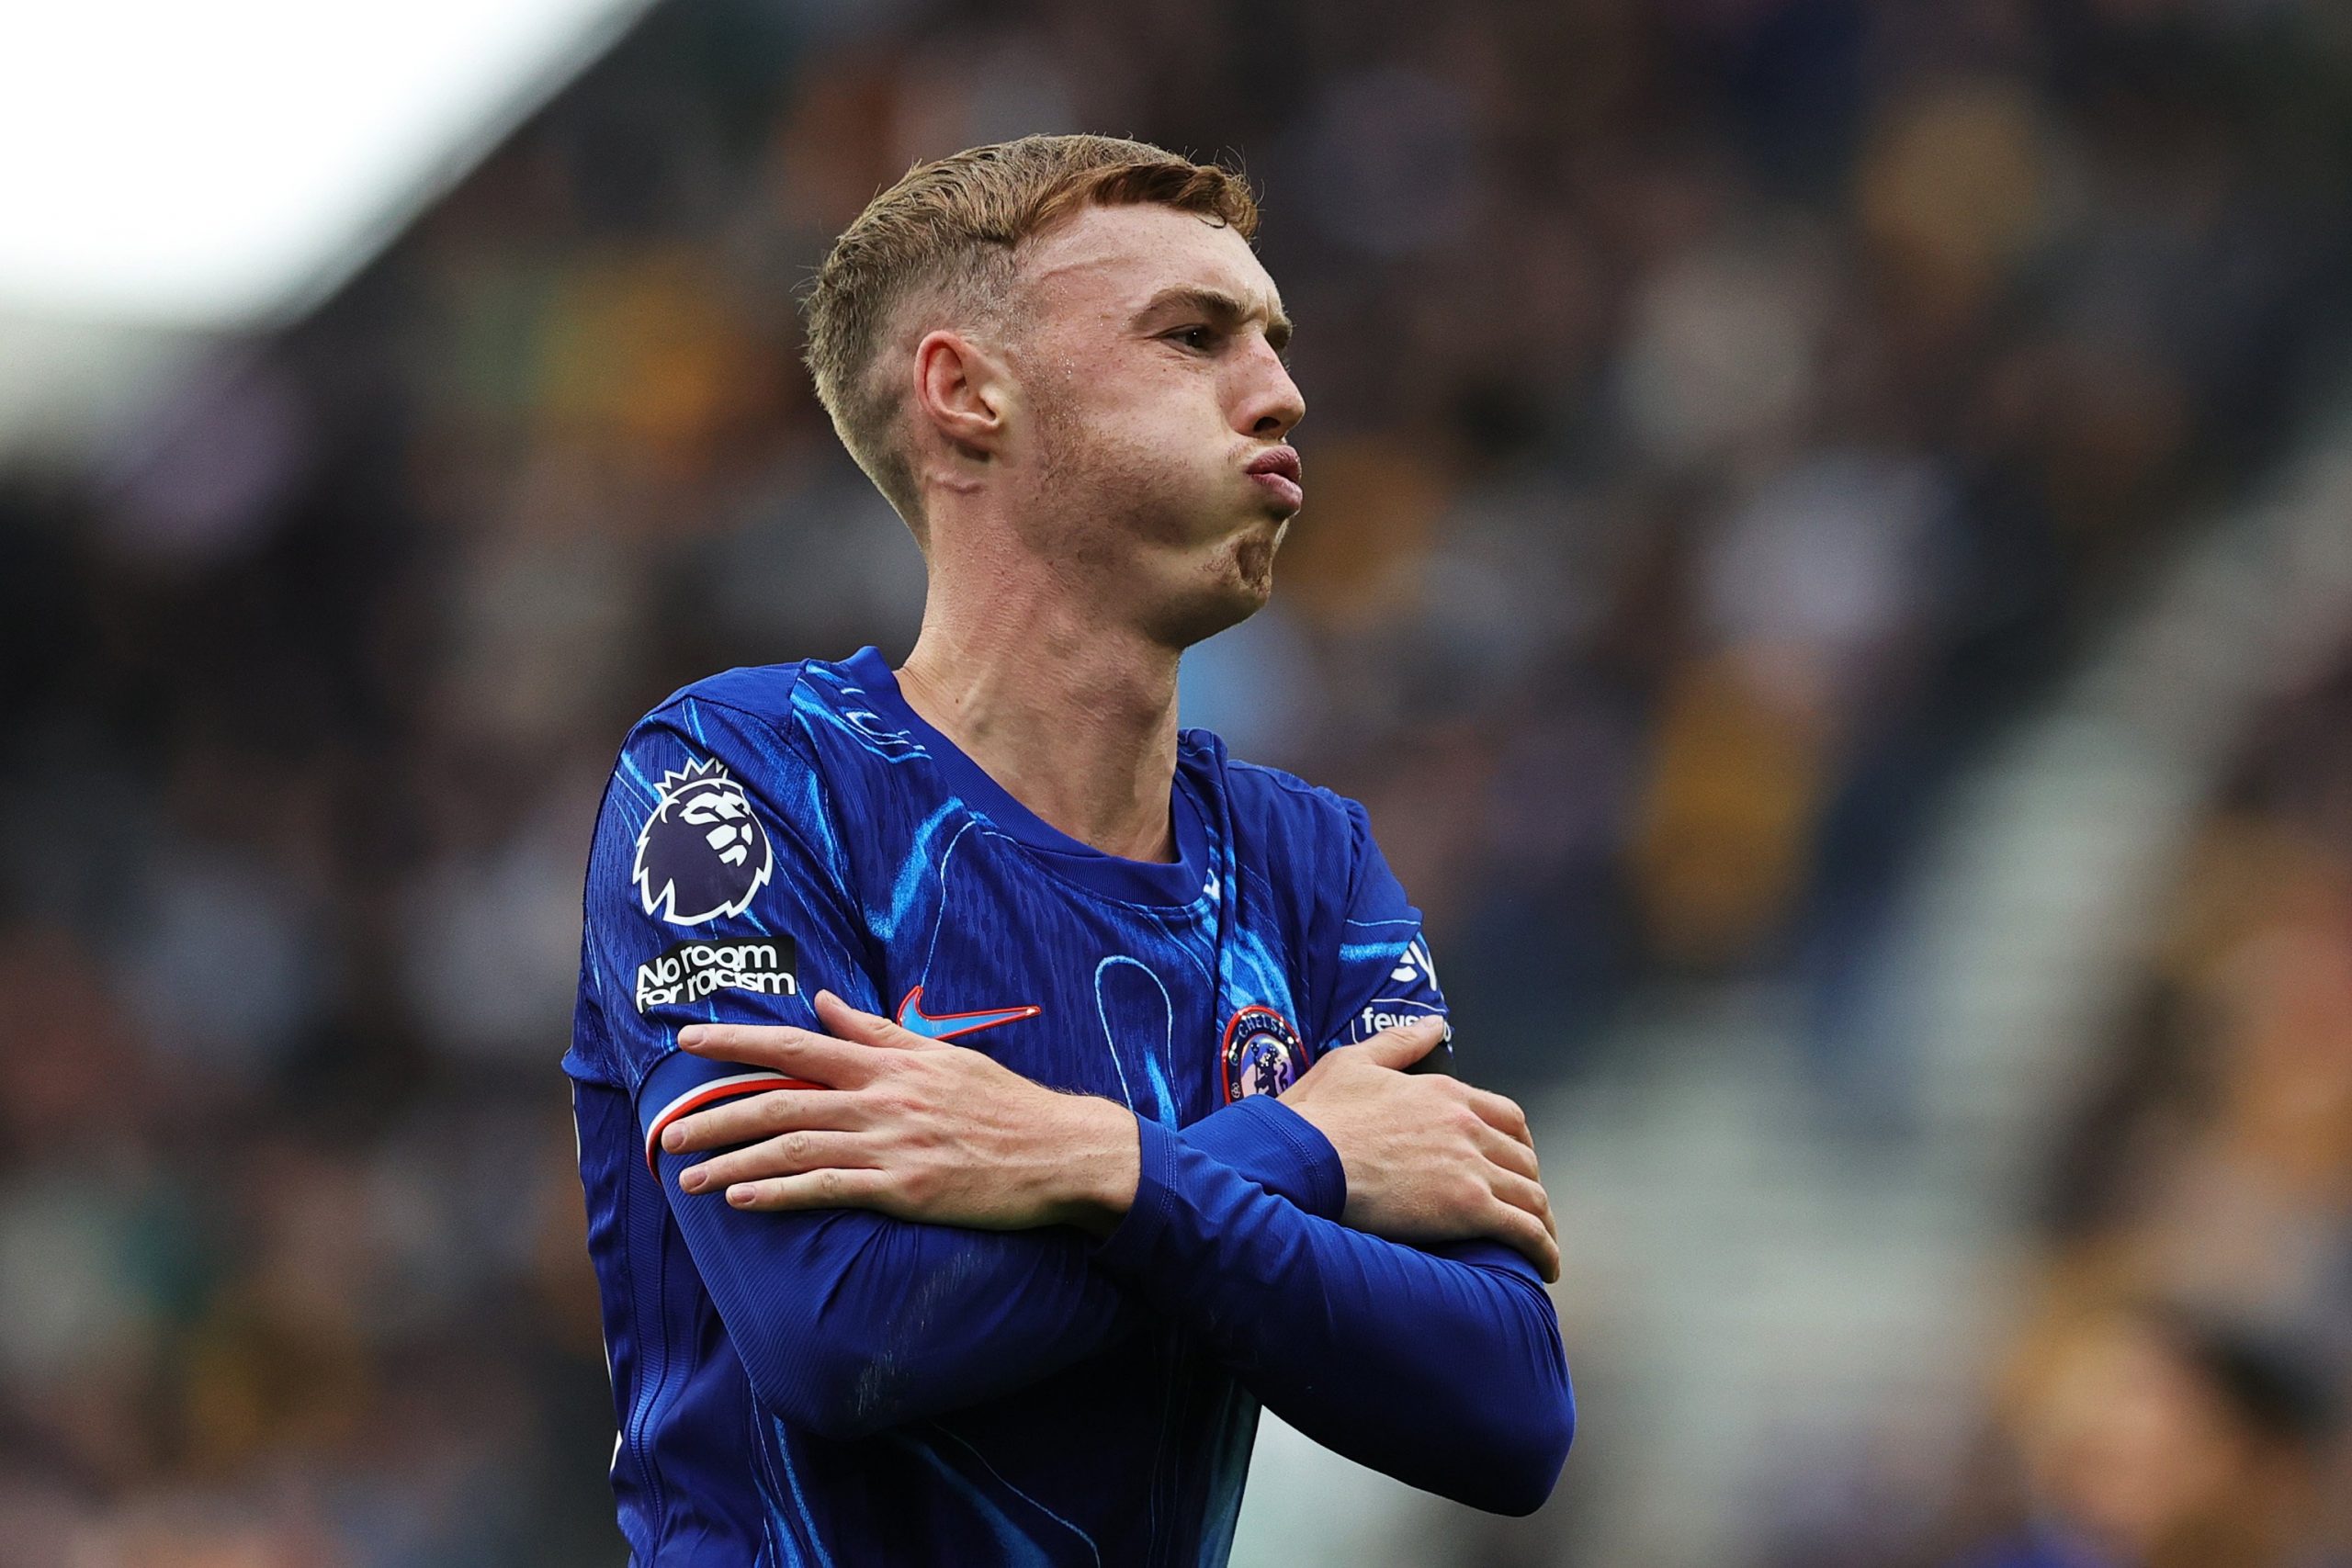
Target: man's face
(1151,377)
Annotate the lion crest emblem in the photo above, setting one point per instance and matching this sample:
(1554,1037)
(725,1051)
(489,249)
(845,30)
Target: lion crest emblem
(701,854)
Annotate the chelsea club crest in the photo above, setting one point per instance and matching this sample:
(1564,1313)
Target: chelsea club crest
(1262,1054)
(701,854)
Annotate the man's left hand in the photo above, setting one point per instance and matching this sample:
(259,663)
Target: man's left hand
(907,1126)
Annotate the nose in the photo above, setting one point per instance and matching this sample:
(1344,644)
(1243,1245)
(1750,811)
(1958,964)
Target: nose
(1272,404)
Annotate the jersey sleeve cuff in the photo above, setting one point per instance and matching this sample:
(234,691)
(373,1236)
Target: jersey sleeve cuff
(1277,1148)
(1137,1238)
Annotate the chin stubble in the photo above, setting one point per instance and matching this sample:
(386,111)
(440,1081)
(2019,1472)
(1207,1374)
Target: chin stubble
(1255,561)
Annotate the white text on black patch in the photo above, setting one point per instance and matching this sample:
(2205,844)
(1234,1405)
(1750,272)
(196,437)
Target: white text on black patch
(693,970)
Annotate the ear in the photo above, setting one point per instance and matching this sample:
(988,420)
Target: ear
(962,392)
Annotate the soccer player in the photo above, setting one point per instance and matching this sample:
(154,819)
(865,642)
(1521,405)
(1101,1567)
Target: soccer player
(1054,1059)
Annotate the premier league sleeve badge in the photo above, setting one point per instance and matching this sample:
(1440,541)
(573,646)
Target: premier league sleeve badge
(703,854)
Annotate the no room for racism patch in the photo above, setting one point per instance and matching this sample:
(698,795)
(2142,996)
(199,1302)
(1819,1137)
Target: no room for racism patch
(693,970)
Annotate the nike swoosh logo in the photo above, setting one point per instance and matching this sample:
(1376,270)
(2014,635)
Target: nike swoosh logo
(950,1025)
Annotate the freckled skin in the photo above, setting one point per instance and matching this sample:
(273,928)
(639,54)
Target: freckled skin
(1135,480)
(1081,445)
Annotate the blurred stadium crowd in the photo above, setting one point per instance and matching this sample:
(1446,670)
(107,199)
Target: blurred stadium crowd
(1723,413)
(2178,1390)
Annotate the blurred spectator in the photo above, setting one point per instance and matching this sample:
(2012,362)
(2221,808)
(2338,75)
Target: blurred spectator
(2154,1441)
(1721,412)
(2213,1167)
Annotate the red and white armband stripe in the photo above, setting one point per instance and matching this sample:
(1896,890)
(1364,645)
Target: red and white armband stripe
(710,1093)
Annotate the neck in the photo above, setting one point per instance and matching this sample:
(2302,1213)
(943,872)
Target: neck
(1074,716)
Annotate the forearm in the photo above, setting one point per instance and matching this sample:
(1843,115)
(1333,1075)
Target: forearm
(848,1320)
(1443,1369)
(1259,1139)
(1263,1141)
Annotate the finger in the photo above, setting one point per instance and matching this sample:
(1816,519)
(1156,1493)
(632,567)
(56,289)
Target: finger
(1527,1196)
(790,1153)
(761,1116)
(864,1027)
(1525,1234)
(801,1052)
(832,1188)
(1406,1044)
(1505,1151)
(1502,1114)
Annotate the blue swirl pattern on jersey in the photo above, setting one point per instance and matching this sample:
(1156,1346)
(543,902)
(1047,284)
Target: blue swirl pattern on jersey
(841,1388)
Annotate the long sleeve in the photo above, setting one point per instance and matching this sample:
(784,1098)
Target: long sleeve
(1442,1369)
(846,1321)
(849,1322)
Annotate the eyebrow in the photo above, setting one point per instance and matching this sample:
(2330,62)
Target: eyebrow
(1223,310)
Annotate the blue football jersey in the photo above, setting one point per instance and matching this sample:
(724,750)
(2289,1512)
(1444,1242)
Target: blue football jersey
(842,1388)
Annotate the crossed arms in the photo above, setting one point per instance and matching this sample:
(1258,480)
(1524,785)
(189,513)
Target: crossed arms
(930,1230)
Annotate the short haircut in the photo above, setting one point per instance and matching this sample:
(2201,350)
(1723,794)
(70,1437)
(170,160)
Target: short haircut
(949,233)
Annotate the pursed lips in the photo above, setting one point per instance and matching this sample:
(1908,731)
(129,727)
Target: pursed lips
(1279,471)
(1283,460)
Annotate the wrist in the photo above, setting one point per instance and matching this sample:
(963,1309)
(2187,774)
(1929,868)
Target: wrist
(1263,1137)
(1100,1165)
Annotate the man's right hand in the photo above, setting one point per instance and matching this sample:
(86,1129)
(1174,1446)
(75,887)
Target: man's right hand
(1428,1158)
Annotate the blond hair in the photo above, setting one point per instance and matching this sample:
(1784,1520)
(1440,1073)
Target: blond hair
(949,233)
